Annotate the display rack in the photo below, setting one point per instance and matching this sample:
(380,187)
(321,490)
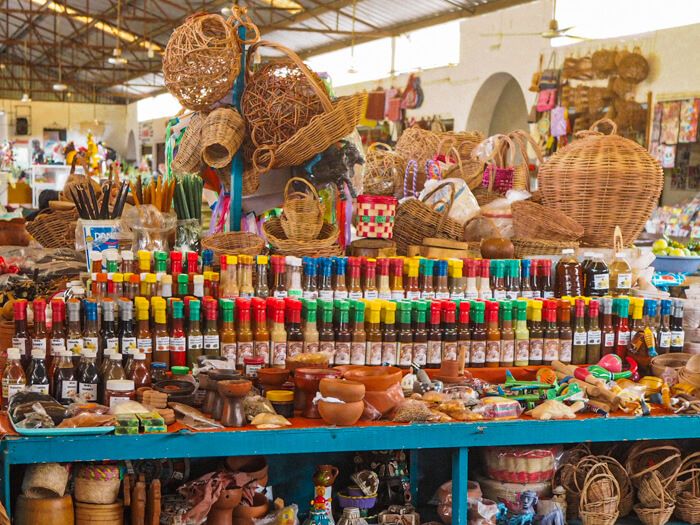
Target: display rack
(457,437)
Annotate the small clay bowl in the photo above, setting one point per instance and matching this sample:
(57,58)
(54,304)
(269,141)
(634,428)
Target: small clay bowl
(375,378)
(449,368)
(347,391)
(308,378)
(255,466)
(244,514)
(341,414)
(234,387)
(273,376)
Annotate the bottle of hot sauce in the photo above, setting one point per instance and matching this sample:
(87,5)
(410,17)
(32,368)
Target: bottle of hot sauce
(412,288)
(664,331)
(369,281)
(278,335)
(551,333)
(478,349)
(450,336)
(40,334)
(161,337)
(441,282)
(127,329)
(326,331)
(565,332)
(195,340)
(374,334)
(295,337)
(340,290)
(383,286)
(343,338)
(144,337)
(358,348)
(522,335)
(507,334)
(21,338)
(396,280)
(493,335)
(435,335)
(593,335)
(484,281)
(536,333)
(210,332)
(622,332)
(261,337)
(405,334)
(176,264)
(58,332)
(580,335)
(390,336)
(246,346)
(420,333)
(546,279)
(607,327)
(464,334)
(178,340)
(109,335)
(427,291)
(91,339)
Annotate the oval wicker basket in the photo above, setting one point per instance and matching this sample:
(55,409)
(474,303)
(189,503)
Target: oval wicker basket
(234,243)
(274,232)
(534,221)
(531,247)
(222,135)
(602,181)
(302,212)
(54,228)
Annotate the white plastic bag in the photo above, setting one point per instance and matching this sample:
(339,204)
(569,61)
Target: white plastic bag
(464,206)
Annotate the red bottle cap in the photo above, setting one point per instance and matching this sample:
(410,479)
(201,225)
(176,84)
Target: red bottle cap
(593,308)
(39,306)
(580,307)
(397,266)
(464,308)
(485,268)
(58,310)
(20,310)
(383,266)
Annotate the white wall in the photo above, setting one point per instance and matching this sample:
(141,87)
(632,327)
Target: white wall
(69,116)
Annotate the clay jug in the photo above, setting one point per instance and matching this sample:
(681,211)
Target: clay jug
(221,512)
(325,475)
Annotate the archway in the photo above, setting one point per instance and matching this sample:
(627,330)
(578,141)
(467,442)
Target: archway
(131,155)
(499,106)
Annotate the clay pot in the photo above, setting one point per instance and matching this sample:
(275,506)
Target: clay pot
(233,391)
(301,361)
(375,378)
(273,376)
(57,511)
(217,402)
(449,368)
(255,466)
(325,475)
(221,512)
(306,380)
(341,414)
(347,391)
(382,401)
(244,514)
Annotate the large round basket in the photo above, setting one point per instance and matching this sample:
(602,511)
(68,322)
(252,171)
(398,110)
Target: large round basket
(299,130)
(54,228)
(602,181)
(233,243)
(534,221)
(302,211)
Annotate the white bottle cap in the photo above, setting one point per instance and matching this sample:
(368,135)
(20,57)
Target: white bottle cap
(567,251)
(120,385)
(88,352)
(115,357)
(198,279)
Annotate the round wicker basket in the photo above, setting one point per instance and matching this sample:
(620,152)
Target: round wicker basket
(234,243)
(534,221)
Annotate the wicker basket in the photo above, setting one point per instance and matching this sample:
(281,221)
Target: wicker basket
(602,181)
(327,239)
(416,220)
(54,228)
(603,62)
(418,144)
(97,484)
(188,158)
(233,243)
(45,480)
(534,221)
(337,120)
(302,212)
(688,490)
(600,498)
(633,67)
(656,504)
(383,167)
(644,458)
(222,135)
(531,247)
(675,361)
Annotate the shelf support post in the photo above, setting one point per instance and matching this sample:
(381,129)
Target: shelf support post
(5,482)
(460,464)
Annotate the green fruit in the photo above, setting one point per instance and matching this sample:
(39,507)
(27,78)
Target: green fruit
(686,251)
(661,253)
(659,244)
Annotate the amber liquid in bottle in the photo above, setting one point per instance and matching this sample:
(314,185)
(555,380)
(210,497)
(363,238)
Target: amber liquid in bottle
(358,346)
(493,336)
(420,333)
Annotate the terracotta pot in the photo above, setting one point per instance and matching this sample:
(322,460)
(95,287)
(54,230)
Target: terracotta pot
(301,361)
(375,378)
(255,466)
(341,414)
(57,511)
(221,512)
(382,401)
(325,475)
(273,376)
(217,403)
(449,368)
(307,380)
(348,391)
(233,391)
(244,515)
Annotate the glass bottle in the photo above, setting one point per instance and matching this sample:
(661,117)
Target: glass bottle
(88,377)
(198,286)
(507,334)
(340,290)
(535,278)
(565,332)
(545,277)
(127,329)
(58,330)
(369,279)
(294,288)
(607,327)
(308,285)
(210,330)
(279,280)
(514,284)
(229,277)
(620,275)
(498,278)
(412,286)
(522,334)
(358,347)
(383,286)
(525,286)
(405,335)
(390,347)
(113,369)
(471,291)
(485,281)
(326,332)
(593,335)
(227,334)
(161,337)
(550,333)
(192,262)
(568,279)
(311,340)
(420,333)
(176,264)
(464,334)
(245,333)
(207,260)
(664,332)
(131,285)
(38,378)
(493,335)
(597,276)
(477,357)
(396,279)
(622,331)
(144,338)
(343,336)
(536,333)
(14,379)
(441,285)
(21,339)
(261,336)
(128,265)
(325,279)
(91,333)
(457,286)
(374,333)
(40,334)
(245,276)
(140,374)
(676,325)
(278,336)
(434,335)
(450,336)
(109,338)
(425,281)
(144,262)
(580,335)
(65,379)
(295,337)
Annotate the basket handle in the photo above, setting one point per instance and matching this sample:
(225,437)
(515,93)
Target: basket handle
(432,168)
(379,146)
(263,158)
(320,91)
(411,167)
(618,242)
(241,18)
(292,180)
(522,139)
(448,203)
(596,125)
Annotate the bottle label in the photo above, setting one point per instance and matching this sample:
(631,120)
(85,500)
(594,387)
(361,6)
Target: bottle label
(294,348)
(244,350)
(386,295)
(117,400)
(609,340)
(664,339)
(565,350)
(397,295)
(112,345)
(527,294)
(493,351)
(69,389)
(457,296)
(471,294)
(420,353)
(129,345)
(508,351)
(374,353)
(39,344)
(310,347)
(478,353)
(294,293)
(310,295)
(163,343)
(389,351)
(580,338)
(427,295)
(178,344)
(548,294)
(87,391)
(624,280)
(536,350)
(357,353)
(405,354)
(485,294)
(499,295)
(326,295)
(412,295)
(228,351)
(522,352)
(601,281)
(340,294)
(75,346)
(512,294)
(279,294)
(39,389)
(90,343)
(57,345)
(464,348)
(442,295)
(593,337)
(21,343)
(551,350)
(449,350)
(262,349)
(279,353)
(536,294)
(327,347)
(677,338)
(342,353)
(355,295)
(211,342)
(623,338)
(434,352)
(371,294)
(145,346)
(195,342)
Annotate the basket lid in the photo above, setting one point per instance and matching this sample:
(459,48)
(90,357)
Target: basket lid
(376,199)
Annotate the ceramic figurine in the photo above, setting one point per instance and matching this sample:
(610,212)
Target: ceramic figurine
(323,479)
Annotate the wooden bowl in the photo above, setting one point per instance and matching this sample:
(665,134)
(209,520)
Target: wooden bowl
(347,391)
(244,514)
(341,414)
(273,376)
(375,378)
(234,387)
(57,511)
(693,364)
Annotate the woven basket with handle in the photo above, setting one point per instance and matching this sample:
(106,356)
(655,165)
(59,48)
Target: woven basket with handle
(602,181)
(688,490)
(534,221)
(600,497)
(327,239)
(222,135)
(656,504)
(234,243)
(188,158)
(383,166)
(644,458)
(302,211)
(54,228)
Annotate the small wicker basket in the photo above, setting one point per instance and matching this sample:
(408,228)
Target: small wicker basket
(327,238)
(302,212)
(188,158)
(97,484)
(222,135)
(645,458)
(600,498)
(383,168)
(234,243)
(54,228)
(530,247)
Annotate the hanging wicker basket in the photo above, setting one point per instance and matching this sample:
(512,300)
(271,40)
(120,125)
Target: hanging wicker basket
(222,135)
(602,181)
(301,137)
(188,158)
(302,211)
(603,62)
(633,67)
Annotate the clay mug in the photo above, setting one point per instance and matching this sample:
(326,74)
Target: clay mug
(325,475)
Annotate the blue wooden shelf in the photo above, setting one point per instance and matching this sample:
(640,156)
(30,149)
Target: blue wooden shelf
(458,437)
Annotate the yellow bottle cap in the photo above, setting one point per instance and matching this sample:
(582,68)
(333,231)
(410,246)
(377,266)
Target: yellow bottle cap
(150,278)
(207,275)
(263,259)
(117,277)
(231,260)
(215,276)
(280,396)
(245,259)
(144,259)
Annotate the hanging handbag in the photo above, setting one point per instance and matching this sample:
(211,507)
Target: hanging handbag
(546,100)
(549,79)
(412,97)
(375,105)
(559,121)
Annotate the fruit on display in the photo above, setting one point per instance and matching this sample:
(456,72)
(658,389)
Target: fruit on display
(669,248)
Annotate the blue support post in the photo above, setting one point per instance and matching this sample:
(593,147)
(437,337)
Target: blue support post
(236,211)
(413,473)
(460,464)
(5,482)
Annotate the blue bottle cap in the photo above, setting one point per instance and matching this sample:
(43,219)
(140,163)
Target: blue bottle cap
(207,257)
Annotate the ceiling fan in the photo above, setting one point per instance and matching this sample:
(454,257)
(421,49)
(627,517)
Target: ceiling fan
(553,30)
